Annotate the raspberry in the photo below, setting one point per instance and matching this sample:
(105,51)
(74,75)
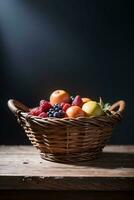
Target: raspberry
(45,105)
(77,101)
(43,115)
(35,111)
(66,106)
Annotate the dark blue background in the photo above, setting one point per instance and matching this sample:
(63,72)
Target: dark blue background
(83,46)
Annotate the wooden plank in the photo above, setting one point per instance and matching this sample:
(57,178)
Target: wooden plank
(22,168)
(67,183)
(28,164)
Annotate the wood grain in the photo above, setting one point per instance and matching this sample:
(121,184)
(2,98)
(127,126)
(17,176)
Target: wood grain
(22,168)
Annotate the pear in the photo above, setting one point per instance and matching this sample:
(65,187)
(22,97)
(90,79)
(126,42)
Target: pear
(92,109)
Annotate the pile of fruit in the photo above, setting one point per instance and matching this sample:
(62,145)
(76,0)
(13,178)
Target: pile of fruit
(62,105)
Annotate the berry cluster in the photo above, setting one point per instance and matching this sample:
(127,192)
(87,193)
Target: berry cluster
(61,105)
(45,109)
(59,110)
(56,111)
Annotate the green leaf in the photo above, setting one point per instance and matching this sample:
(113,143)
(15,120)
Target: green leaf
(101,103)
(106,107)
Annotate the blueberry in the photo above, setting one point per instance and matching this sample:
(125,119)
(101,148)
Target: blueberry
(56,109)
(60,108)
(62,113)
(50,115)
(55,105)
(56,114)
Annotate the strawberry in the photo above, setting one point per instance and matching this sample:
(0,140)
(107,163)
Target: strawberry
(65,106)
(62,104)
(77,101)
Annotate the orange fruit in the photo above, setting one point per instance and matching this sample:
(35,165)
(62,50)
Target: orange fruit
(75,111)
(59,96)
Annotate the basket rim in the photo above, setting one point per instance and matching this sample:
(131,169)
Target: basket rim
(20,109)
(115,116)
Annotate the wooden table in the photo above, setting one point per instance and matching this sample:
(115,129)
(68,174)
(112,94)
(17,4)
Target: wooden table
(24,173)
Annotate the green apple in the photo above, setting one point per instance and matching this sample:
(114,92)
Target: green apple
(92,108)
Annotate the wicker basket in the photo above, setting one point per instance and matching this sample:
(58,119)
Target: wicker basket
(68,140)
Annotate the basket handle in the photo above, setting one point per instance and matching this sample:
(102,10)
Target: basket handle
(120,105)
(16,106)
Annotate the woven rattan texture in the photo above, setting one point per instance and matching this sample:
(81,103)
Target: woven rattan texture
(67,140)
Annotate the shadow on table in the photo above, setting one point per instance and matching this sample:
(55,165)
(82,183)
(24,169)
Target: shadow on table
(111,160)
